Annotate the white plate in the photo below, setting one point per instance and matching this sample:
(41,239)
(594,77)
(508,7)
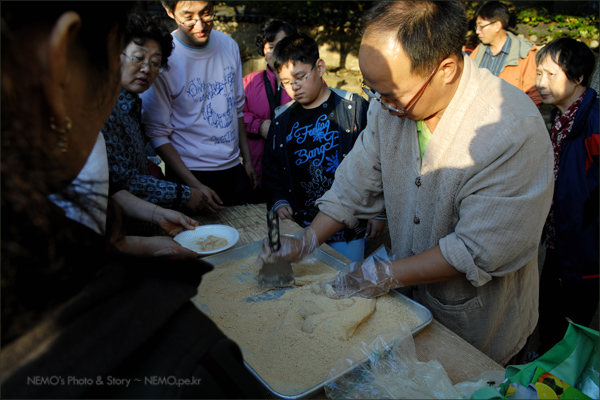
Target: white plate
(189,239)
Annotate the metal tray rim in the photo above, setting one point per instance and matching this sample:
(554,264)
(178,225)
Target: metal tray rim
(244,251)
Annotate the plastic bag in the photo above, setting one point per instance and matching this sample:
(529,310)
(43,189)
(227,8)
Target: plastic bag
(571,367)
(485,379)
(388,368)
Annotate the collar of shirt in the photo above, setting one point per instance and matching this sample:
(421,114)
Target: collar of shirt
(199,50)
(128,100)
(505,49)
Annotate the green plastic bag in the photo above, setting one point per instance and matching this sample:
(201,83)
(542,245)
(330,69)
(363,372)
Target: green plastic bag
(574,360)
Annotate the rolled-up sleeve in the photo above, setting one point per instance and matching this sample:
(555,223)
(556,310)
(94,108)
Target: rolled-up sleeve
(503,204)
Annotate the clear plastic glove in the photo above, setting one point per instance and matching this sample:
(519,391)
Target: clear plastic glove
(371,277)
(293,248)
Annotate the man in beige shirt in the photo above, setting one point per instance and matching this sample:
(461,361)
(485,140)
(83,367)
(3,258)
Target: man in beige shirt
(466,198)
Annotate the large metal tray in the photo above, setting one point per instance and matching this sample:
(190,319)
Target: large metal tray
(245,251)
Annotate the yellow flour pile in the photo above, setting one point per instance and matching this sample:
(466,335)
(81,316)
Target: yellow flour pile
(292,337)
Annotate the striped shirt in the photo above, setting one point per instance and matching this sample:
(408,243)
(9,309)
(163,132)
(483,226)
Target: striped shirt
(495,63)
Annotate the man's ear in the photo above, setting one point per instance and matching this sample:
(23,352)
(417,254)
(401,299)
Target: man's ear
(169,13)
(60,44)
(450,68)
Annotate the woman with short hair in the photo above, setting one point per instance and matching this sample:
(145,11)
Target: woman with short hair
(569,281)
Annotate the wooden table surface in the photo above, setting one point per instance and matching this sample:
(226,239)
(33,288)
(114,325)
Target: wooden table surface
(460,359)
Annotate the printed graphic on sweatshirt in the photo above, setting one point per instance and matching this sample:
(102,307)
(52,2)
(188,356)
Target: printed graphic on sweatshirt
(219,109)
(319,138)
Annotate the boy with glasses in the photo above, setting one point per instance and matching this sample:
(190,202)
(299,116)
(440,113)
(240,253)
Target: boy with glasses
(308,139)
(505,55)
(193,112)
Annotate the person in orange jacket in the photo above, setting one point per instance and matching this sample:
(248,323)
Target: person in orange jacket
(507,56)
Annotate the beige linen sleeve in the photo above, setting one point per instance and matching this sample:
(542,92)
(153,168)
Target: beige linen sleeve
(357,191)
(504,202)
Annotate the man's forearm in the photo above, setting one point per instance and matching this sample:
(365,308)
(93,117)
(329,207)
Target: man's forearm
(429,266)
(243,140)
(325,226)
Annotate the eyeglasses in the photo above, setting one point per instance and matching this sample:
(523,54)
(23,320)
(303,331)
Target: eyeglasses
(480,27)
(206,18)
(139,62)
(299,81)
(376,96)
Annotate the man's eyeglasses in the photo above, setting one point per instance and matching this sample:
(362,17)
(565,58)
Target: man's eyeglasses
(139,62)
(299,81)
(206,18)
(480,27)
(376,96)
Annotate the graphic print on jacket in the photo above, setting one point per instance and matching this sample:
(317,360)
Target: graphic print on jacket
(313,149)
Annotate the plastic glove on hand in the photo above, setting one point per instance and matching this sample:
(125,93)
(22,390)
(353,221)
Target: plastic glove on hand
(371,277)
(293,248)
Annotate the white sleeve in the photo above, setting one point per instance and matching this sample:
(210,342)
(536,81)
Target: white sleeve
(240,94)
(156,112)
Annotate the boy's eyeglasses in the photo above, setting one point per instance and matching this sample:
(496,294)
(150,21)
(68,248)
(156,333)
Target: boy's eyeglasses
(376,96)
(139,62)
(206,18)
(299,81)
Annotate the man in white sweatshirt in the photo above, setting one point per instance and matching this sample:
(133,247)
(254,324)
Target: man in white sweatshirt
(193,112)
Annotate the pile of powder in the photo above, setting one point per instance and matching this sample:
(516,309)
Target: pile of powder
(211,243)
(291,337)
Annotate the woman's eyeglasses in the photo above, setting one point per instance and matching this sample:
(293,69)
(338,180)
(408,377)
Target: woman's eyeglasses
(139,62)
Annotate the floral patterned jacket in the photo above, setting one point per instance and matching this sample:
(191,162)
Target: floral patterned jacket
(127,160)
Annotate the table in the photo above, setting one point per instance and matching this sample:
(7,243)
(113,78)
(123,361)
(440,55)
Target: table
(460,359)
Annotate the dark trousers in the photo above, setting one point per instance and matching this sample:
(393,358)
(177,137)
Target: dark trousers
(562,298)
(232,185)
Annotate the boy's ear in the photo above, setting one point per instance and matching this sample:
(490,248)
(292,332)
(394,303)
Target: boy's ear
(321,67)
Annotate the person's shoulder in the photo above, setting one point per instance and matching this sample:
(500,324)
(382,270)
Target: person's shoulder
(253,78)
(223,39)
(590,99)
(524,46)
(350,97)
(347,95)
(488,94)
(284,110)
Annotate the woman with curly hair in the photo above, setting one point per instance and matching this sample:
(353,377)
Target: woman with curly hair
(148,47)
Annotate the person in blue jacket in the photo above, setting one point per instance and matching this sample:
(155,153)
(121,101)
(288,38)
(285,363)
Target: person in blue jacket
(569,281)
(307,140)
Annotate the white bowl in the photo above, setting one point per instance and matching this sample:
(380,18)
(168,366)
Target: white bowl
(190,239)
